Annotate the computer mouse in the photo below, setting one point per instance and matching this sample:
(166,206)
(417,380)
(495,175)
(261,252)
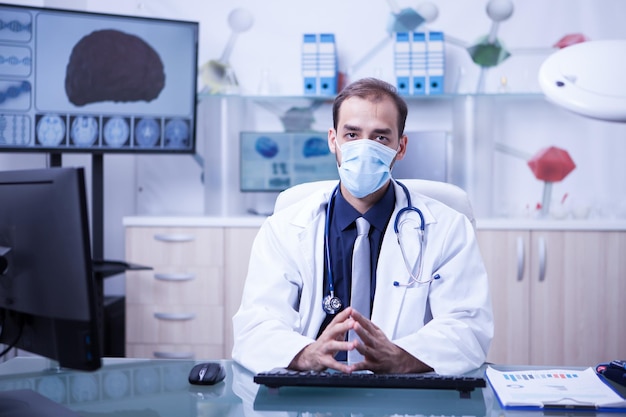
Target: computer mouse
(207,373)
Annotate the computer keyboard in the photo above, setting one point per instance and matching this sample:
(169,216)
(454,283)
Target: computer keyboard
(283,377)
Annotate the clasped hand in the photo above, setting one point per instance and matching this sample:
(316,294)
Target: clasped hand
(380,354)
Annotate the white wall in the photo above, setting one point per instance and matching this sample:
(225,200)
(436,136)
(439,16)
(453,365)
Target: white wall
(171,185)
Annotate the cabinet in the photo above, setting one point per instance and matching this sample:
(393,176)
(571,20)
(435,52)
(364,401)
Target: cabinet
(556,295)
(183,307)
(175,310)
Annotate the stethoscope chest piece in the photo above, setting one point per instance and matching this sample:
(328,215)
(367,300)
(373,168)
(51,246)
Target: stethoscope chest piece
(332,304)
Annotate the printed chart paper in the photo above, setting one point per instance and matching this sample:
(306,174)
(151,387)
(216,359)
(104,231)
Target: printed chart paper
(553,388)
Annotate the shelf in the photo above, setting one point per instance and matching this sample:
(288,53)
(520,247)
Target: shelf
(529,95)
(475,127)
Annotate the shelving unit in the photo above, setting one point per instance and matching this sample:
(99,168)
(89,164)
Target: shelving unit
(472,122)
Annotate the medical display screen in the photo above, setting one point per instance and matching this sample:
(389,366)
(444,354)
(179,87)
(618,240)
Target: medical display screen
(89,82)
(276,161)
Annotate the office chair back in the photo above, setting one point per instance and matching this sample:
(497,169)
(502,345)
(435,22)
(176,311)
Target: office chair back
(449,194)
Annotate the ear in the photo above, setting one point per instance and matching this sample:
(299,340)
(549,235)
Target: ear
(332,140)
(402,147)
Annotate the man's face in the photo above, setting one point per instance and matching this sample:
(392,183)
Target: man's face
(364,119)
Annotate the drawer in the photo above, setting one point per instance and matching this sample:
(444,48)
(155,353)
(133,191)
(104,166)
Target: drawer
(193,324)
(200,285)
(175,351)
(157,246)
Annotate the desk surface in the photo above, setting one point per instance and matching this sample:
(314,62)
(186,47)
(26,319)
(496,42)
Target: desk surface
(138,388)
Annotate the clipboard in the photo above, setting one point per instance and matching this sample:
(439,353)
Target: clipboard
(554,390)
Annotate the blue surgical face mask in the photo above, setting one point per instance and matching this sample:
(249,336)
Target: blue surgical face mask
(365,166)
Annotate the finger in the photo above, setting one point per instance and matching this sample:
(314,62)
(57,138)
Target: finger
(343,315)
(369,333)
(363,324)
(338,330)
(366,337)
(370,354)
(334,346)
(360,366)
(339,366)
(356,314)
(364,321)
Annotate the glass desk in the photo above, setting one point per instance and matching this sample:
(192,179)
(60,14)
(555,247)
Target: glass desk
(152,388)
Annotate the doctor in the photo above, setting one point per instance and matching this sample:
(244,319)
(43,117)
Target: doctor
(443,322)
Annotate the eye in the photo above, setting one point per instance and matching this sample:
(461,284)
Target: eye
(351,135)
(381,138)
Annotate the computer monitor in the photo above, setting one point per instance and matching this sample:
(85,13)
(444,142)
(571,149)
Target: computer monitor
(76,81)
(50,300)
(275,161)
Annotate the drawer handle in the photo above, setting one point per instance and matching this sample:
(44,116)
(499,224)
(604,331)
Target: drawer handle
(174,237)
(174,277)
(542,259)
(520,258)
(174,316)
(173,355)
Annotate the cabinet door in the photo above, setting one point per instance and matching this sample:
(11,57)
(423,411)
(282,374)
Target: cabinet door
(506,257)
(577,308)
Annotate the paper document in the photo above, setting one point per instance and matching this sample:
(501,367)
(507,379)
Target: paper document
(553,388)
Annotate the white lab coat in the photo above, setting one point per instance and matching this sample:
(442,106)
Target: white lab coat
(447,324)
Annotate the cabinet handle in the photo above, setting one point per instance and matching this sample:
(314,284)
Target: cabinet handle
(520,258)
(174,237)
(174,277)
(174,316)
(173,355)
(542,258)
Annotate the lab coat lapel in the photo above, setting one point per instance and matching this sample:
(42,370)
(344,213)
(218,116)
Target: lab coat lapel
(311,247)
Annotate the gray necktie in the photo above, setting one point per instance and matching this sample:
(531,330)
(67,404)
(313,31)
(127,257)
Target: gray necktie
(361,281)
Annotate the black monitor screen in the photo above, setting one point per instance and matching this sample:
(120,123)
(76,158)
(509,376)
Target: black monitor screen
(90,82)
(50,301)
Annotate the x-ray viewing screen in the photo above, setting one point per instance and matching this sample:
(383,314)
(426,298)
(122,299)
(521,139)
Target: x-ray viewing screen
(88,82)
(276,161)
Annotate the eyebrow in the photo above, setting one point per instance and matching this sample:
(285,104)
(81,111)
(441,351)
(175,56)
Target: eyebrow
(352,128)
(379,131)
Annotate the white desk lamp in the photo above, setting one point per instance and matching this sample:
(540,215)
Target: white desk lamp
(588,78)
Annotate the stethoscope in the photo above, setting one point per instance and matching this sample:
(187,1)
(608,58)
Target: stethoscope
(332,304)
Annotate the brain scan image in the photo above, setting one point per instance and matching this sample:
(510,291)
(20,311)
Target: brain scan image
(84,131)
(50,130)
(110,65)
